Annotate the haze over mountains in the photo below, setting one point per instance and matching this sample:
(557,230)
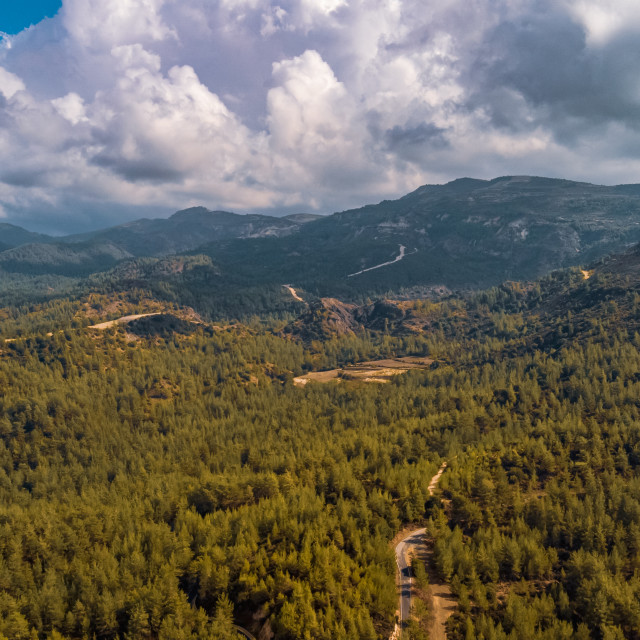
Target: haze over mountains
(461,235)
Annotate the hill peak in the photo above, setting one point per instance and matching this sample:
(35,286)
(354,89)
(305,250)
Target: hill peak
(196,212)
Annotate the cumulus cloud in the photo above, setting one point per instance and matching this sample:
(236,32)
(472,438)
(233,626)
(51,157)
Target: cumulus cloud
(313,121)
(164,127)
(98,23)
(120,107)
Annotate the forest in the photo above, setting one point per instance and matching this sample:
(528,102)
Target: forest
(170,483)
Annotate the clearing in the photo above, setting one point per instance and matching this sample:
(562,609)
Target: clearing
(371,371)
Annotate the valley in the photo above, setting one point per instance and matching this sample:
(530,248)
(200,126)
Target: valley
(319,320)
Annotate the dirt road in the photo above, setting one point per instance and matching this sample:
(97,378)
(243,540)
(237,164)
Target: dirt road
(442,601)
(399,257)
(434,481)
(405,550)
(293,292)
(243,633)
(123,320)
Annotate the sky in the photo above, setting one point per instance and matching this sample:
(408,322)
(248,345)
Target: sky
(112,110)
(16,15)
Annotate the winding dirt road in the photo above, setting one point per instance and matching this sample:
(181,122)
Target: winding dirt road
(443,603)
(434,481)
(399,257)
(293,292)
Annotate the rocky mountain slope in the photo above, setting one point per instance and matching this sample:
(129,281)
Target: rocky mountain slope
(328,317)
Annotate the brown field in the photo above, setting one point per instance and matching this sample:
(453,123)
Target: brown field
(379,371)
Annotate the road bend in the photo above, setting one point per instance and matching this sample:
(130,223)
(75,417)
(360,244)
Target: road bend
(414,546)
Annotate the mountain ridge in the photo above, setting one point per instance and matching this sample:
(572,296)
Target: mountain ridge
(464,235)
(12,235)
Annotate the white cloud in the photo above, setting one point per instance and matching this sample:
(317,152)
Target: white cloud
(170,123)
(10,84)
(301,15)
(310,12)
(308,107)
(317,137)
(604,19)
(273,20)
(71,107)
(258,104)
(99,23)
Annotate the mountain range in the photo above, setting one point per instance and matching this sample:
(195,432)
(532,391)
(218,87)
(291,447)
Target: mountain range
(467,234)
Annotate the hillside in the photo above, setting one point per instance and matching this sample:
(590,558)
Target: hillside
(13,236)
(327,318)
(60,259)
(81,255)
(465,234)
(523,316)
(166,475)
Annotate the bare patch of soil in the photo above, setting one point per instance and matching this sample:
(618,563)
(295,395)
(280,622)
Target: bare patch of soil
(371,371)
(123,320)
(293,292)
(443,603)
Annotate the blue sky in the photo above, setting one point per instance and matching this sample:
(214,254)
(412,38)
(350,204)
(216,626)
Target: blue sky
(115,109)
(16,15)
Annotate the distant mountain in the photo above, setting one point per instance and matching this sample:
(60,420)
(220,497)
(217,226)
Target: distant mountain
(465,234)
(59,259)
(12,236)
(190,228)
(80,255)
